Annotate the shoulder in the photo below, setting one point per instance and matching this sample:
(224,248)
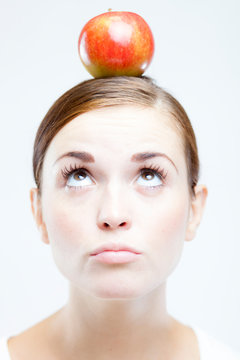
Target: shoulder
(211,348)
(23,345)
(4,353)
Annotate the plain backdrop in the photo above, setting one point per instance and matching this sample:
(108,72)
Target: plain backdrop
(197,59)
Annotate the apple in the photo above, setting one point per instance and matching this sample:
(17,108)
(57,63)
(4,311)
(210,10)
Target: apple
(116,43)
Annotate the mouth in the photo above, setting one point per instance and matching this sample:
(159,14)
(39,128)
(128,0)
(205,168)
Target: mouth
(116,257)
(115,254)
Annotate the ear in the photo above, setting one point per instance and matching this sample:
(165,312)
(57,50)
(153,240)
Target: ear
(196,210)
(37,214)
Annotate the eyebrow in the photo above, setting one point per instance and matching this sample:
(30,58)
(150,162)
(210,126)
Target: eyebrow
(139,157)
(149,155)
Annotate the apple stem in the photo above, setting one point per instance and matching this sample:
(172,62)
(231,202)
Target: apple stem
(110,9)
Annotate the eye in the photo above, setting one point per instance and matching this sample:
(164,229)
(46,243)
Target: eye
(151,177)
(77,177)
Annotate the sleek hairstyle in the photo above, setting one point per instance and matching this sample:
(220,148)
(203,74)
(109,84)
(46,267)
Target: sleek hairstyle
(112,91)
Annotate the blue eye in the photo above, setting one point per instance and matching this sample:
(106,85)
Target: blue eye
(151,178)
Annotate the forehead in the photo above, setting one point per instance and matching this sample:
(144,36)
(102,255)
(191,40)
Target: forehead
(120,130)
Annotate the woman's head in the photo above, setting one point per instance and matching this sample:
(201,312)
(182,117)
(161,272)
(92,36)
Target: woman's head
(119,169)
(100,93)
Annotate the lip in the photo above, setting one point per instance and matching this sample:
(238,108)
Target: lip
(115,247)
(115,257)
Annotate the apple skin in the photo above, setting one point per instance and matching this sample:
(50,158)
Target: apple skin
(116,43)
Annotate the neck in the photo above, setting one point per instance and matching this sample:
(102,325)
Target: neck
(114,328)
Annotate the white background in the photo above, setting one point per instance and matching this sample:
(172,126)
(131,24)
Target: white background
(197,60)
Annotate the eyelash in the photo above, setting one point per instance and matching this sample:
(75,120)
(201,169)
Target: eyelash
(155,169)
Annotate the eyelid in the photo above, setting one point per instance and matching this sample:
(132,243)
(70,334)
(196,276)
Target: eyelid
(66,173)
(156,169)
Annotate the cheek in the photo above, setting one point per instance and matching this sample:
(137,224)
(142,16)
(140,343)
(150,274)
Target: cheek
(158,226)
(69,230)
(173,220)
(168,226)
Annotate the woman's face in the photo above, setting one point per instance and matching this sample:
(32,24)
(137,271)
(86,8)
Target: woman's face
(112,200)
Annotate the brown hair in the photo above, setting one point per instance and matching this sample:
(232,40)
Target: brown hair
(120,90)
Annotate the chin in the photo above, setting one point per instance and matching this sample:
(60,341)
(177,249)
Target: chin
(116,293)
(121,288)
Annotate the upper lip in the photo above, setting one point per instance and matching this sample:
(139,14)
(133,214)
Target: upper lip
(115,247)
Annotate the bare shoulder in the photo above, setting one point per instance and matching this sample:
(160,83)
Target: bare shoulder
(186,342)
(41,342)
(36,342)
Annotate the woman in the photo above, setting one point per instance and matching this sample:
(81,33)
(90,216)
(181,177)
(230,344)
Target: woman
(116,167)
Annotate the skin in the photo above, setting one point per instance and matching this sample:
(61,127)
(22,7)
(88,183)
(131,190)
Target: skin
(115,311)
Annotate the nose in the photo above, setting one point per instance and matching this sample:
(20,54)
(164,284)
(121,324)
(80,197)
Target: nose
(113,211)
(111,224)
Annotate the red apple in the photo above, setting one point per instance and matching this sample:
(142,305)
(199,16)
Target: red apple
(116,43)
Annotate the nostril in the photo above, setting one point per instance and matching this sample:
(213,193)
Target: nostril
(106,225)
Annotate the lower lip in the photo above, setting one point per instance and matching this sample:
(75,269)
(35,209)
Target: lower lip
(116,257)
